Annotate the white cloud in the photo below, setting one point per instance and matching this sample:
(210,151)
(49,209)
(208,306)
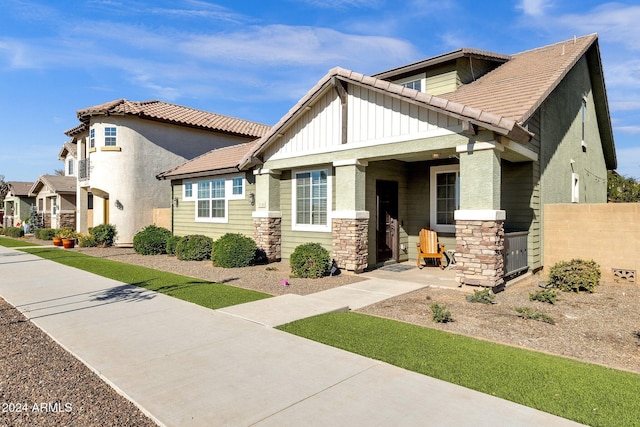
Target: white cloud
(534,7)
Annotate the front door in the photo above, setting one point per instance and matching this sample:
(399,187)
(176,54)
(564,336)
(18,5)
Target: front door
(387,222)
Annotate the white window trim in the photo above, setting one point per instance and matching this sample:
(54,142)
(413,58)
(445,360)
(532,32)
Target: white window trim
(92,138)
(433,217)
(311,227)
(194,189)
(115,138)
(228,195)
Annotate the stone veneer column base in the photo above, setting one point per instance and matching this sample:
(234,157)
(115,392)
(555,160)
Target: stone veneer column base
(479,252)
(351,243)
(267,234)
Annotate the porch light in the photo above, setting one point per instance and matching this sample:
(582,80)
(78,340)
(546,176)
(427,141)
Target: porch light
(252,199)
(435,156)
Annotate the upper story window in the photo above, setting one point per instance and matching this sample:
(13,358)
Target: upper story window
(110,136)
(415,84)
(311,197)
(445,197)
(92,138)
(70,167)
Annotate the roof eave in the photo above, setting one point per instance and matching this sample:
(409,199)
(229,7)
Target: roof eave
(198,174)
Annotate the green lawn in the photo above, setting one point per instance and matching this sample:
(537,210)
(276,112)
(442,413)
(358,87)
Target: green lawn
(14,243)
(582,392)
(201,292)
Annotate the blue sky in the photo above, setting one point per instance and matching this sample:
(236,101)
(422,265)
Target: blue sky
(255,59)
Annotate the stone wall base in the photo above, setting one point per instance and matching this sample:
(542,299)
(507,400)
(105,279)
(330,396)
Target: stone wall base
(351,243)
(268,236)
(479,253)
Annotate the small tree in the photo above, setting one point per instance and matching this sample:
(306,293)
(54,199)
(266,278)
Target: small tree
(622,189)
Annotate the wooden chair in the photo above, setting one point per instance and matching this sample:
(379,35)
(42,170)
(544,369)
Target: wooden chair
(429,247)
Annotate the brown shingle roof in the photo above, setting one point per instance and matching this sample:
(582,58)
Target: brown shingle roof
(215,162)
(19,188)
(517,88)
(176,114)
(57,183)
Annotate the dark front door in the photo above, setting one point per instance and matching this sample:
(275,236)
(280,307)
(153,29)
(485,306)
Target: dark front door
(387,223)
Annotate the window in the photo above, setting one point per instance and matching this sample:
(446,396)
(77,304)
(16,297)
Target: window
(415,84)
(237,187)
(445,197)
(187,191)
(311,195)
(92,138)
(70,167)
(110,137)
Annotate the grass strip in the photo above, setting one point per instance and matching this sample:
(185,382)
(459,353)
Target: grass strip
(586,393)
(15,243)
(201,292)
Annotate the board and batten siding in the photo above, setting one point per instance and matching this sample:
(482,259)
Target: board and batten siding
(240,219)
(374,118)
(292,238)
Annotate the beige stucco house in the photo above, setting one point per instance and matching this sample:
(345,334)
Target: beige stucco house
(470,143)
(122,145)
(17,203)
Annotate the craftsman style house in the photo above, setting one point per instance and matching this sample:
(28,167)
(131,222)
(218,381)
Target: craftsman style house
(471,144)
(17,203)
(55,195)
(122,145)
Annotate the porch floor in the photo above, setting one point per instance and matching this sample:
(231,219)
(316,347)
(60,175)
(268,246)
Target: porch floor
(408,272)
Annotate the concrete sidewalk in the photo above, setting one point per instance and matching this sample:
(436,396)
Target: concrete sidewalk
(186,365)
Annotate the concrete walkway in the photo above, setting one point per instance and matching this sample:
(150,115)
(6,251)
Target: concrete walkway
(186,365)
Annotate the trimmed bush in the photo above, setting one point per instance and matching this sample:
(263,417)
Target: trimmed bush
(575,276)
(151,240)
(310,260)
(14,232)
(46,233)
(171,245)
(233,250)
(87,241)
(195,247)
(105,234)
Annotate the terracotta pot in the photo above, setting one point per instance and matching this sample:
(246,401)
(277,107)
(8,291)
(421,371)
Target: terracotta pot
(57,241)
(68,243)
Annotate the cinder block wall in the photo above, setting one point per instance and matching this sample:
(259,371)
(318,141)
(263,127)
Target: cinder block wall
(608,233)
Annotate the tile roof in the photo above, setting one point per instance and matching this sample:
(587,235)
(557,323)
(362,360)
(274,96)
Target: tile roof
(517,88)
(215,162)
(176,114)
(82,127)
(57,183)
(19,188)
(68,149)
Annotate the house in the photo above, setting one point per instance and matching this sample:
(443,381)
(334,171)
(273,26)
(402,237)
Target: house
(55,195)
(122,145)
(17,203)
(470,143)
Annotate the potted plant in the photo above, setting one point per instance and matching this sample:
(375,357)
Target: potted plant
(68,238)
(57,238)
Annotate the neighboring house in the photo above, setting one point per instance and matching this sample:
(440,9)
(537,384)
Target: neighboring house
(123,145)
(471,144)
(55,198)
(17,203)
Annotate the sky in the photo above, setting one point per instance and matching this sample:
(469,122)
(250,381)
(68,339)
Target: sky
(255,59)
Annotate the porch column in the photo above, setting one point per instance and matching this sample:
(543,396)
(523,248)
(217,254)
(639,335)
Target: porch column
(480,221)
(267,218)
(350,220)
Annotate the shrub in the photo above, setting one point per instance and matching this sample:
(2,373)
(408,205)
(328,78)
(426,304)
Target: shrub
(46,233)
(484,296)
(440,314)
(87,241)
(528,313)
(14,232)
(151,240)
(575,275)
(310,260)
(171,245)
(544,295)
(195,247)
(233,250)
(105,234)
